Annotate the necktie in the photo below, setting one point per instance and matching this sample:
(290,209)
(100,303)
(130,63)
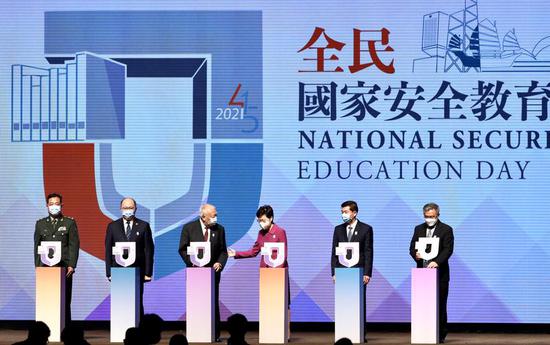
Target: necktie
(429,233)
(206,235)
(350,232)
(128,229)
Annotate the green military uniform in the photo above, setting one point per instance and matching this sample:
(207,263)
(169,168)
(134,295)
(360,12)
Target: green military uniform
(61,229)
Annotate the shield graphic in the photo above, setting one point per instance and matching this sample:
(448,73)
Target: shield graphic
(50,252)
(195,250)
(97,102)
(273,248)
(342,251)
(120,249)
(427,247)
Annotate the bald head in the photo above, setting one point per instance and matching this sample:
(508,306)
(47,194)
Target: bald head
(128,203)
(128,208)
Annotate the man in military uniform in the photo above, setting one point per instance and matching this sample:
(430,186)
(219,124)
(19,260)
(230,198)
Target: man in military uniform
(57,227)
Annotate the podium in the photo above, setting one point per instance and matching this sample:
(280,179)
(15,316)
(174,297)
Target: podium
(349,305)
(125,301)
(273,305)
(424,306)
(50,299)
(200,304)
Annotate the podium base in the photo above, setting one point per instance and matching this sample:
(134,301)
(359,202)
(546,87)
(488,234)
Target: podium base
(349,305)
(50,299)
(200,304)
(273,306)
(424,306)
(125,301)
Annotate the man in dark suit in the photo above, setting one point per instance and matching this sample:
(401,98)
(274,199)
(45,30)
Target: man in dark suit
(131,229)
(433,227)
(352,230)
(207,229)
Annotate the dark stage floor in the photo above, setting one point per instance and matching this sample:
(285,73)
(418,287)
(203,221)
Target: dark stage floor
(102,337)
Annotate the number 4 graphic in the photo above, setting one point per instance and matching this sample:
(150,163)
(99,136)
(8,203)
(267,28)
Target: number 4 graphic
(232,100)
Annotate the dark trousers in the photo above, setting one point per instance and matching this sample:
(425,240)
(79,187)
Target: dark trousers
(141,310)
(443,294)
(68,297)
(217,276)
(365,308)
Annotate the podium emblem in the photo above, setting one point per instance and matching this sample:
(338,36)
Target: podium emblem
(427,247)
(342,252)
(195,248)
(50,252)
(120,248)
(267,253)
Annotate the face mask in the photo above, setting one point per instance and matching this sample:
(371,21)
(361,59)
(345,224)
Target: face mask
(54,209)
(346,218)
(430,221)
(265,225)
(128,213)
(213,221)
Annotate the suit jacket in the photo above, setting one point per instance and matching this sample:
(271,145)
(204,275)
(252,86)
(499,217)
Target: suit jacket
(65,231)
(145,248)
(364,235)
(192,232)
(446,244)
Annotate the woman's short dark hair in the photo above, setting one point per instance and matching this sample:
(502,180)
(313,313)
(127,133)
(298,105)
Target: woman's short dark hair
(265,210)
(351,204)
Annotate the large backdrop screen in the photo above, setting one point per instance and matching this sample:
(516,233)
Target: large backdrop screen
(301,105)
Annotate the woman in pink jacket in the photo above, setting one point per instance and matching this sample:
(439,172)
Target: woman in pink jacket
(269,232)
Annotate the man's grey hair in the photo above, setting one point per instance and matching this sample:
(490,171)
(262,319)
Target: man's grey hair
(129,198)
(431,206)
(203,207)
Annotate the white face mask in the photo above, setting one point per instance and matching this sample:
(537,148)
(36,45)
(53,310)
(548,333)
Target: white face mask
(265,225)
(213,221)
(346,217)
(430,221)
(128,213)
(54,209)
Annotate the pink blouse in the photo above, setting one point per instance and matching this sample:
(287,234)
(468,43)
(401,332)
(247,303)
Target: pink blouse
(275,234)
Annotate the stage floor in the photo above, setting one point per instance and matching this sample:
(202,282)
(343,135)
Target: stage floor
(102,337)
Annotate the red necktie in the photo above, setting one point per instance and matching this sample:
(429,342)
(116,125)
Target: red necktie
(206,235)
